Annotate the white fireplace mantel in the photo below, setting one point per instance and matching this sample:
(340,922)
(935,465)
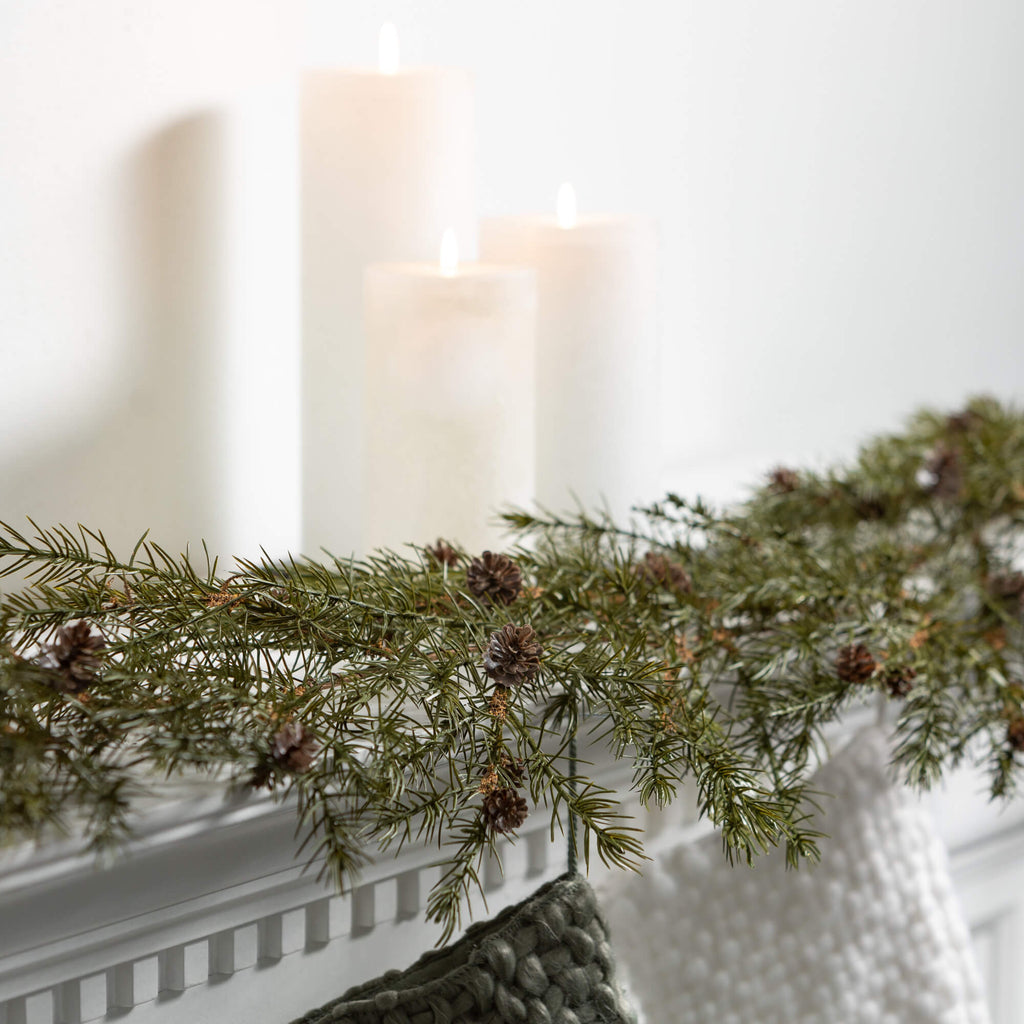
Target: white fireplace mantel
(208,916)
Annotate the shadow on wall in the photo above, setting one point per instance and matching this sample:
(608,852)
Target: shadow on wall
(152,460)
(174,446)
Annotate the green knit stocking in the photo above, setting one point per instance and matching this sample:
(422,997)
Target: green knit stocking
(546,960)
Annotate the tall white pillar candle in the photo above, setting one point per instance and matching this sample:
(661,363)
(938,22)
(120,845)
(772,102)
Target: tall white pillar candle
(449,400)
(388,163)
(597,359)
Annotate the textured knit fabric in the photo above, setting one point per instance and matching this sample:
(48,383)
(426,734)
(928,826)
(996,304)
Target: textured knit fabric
(543,961)
(871,935)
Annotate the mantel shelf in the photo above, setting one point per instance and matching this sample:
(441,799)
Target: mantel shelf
(210,887)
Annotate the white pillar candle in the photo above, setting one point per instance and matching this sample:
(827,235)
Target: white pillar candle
(597,361)
(449,399)
(388,163)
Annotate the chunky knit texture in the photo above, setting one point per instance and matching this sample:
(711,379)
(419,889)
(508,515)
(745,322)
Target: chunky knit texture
(871,935)
(544,961)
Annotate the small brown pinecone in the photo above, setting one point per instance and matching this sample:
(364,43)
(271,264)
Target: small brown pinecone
(443,553)
(514,768)
(899,681)
(665,573)
(513,655)
(73,654)
(1007,587)
(965,422)
(945,473)
(294,748)
(504,810)
(1015,734)
(783,480)
(495,578)
(855,664)
(870,506)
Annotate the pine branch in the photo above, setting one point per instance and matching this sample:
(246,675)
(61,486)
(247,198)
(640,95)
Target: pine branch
(700,646)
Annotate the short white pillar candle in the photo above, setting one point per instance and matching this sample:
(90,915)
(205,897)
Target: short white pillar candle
(449,399)
(597,354)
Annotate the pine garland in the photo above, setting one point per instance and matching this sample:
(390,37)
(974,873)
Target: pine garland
(434,694)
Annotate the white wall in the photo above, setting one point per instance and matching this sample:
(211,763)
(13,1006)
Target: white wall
(148,278)
(838,184)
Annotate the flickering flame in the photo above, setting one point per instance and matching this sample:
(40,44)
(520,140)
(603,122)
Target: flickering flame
(566,206)
(449,253)
(387,48)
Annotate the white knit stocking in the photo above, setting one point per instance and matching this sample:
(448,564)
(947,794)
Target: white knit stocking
(871,935)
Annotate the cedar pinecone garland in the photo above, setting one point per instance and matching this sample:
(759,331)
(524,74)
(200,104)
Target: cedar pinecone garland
(294,748)
(666,573)
(513,655)
(1015,734)
(73,654)
(855,664)
(496,578)
(504,810)
(443,553)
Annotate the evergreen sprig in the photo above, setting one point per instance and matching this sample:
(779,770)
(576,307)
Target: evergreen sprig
(695,643)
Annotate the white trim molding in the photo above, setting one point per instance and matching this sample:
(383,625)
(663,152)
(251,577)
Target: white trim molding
(209,917)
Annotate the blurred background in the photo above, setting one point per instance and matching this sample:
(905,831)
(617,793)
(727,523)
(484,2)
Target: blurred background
(838,187)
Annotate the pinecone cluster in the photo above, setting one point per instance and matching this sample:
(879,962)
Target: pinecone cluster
(443,553)
(504,810)
(513,655)
(899,681)
(783,480)
(855,664)
(664,572)
(294,748)
(494,578)
(73,656)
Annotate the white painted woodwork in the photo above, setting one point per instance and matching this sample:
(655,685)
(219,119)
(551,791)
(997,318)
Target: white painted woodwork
(210,918)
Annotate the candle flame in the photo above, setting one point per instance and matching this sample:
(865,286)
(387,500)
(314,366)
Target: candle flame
(387,48)
(449,253)
(566,206)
